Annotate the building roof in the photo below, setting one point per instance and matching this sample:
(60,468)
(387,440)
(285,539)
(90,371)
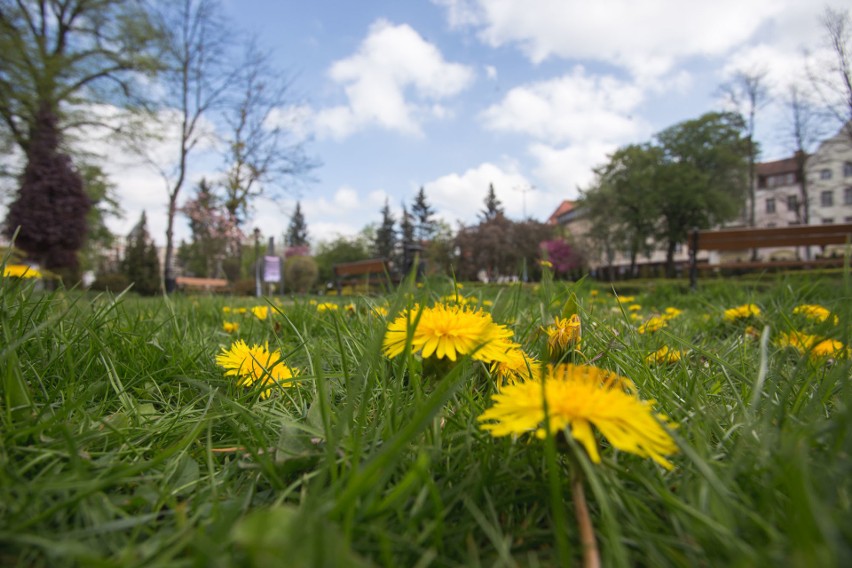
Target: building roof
(564,207)
(785,166)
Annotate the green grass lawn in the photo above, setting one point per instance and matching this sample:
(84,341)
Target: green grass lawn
(123,443)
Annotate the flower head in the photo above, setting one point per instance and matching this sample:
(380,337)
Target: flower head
(230,326)
(742,312)
(21,271)
(563,333)
(814,312)
(448,331)
(327,307)
(653,324)
(260,312)
(255,364)
(514,367)
(664,355)
(579,397)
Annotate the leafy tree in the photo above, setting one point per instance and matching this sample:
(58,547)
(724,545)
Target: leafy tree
(297,231)
(64,56)
(562,255)
(51,205)
(341,249)
(499,246)
(141,264)
(493,206)
(385,238)
(99,238)
(632,177)
(703,178)
(424,226)
(603,239)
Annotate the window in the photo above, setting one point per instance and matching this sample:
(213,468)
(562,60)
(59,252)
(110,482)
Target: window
(847,196)
(792,203)
(825,174)
(847,169)
(826,198)
(770,205)
(827,220)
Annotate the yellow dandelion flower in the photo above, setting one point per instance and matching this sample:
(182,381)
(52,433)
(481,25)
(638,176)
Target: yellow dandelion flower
(380,311)
(226,309)
(447,331)
(487,303)
(626,299)
(801,342)
(636,317)
(327,307)
(230,326)
(664,355)
(255,364)
(742,312)
(634,308)
(593,293)
(829,348)
(241,310)
(545,263)
(563,333)
(514,367)
(671,312)
(350,307)
(260,312)
(579,397)
(312,302)
(459,285)
(455,299)
(814,312)
(20,271)
(655,323)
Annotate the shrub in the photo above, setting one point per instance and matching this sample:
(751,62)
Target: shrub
(300,273)
(114,282)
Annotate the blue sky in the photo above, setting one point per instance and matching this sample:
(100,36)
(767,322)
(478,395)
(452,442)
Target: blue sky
(453,95)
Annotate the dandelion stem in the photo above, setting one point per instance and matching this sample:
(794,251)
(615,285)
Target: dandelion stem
(591,555)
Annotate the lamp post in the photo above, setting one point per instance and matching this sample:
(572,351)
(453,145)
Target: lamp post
(257,262)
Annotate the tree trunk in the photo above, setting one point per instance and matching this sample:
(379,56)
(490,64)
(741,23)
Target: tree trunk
(670,250)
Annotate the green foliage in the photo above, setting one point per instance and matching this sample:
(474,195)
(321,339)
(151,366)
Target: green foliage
(500,246)
(140,263)
(493,206)
(300,274)
(341,249)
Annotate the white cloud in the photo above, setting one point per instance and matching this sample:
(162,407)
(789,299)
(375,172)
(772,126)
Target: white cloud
(575,107)
(462,196)
(389,82)
(491,72)
(647,38)
(564,170)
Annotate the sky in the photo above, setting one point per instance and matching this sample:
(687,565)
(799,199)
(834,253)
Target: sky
(453,95)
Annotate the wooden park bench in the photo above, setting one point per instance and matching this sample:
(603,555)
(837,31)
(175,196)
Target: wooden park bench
(203,284)
(747,239)
(367,268)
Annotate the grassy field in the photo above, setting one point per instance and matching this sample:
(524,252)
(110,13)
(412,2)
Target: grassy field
(124,443)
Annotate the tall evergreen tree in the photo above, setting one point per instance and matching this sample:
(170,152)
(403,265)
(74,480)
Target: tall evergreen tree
(406,231)
(141,264)
(297,231)
(385,241)
(493,206)
(422,212)
(51,204)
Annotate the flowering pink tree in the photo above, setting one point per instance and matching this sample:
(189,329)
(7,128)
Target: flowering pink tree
(215,232)
(561,255)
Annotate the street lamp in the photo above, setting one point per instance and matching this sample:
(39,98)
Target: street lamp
(257,262)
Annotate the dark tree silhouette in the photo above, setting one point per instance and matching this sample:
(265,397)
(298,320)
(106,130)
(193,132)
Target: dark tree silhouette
(141,264)
(385,241)
(493,206)
(424,226)
(297,231)
(51,204)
